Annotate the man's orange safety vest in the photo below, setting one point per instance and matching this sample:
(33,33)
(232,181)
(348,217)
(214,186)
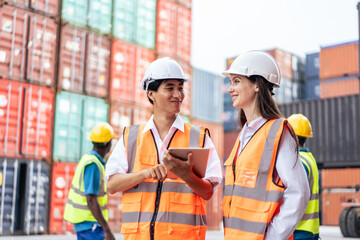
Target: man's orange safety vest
(251,198)
(154,210)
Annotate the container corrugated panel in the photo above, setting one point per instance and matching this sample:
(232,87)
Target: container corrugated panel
(186,103)
(99,15)
(97,76)
(48,7)
(114,212)
(27,46)
(288,91)
(331,204)
(340,178)
(41,47)
(123,114)
(62,175)
(339,60)
(312,89)
(229,141)
(18,3)
(284,60)
(75,11)
(330,88)
(206,96)
(312,64)
(185,3)
(298,68)
(230,117)
(72,58)
(143,59)
(24,194)
(213,211)
(134,22)
(128,66)
(75,116)
(26,113)
(173,37)
(14,28)
(335,124)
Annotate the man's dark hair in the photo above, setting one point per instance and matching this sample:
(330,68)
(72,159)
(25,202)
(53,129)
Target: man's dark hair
(101,145)
(302,140)
(154,86)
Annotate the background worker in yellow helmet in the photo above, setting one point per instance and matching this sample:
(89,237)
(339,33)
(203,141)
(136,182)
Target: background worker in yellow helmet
(308,227)
(87,200)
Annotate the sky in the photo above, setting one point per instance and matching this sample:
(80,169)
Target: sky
(223,29)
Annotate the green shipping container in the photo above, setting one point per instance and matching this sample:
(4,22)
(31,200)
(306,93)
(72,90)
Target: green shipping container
(99,15)
(75,116)
(75,11)
(134,21)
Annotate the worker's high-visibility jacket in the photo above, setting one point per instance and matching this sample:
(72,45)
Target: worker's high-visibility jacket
(161,210)
(76,208)
(251,198)
(310,220)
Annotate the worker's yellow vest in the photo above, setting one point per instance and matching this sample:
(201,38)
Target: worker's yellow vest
(161,210)
(310,221)
(76,209)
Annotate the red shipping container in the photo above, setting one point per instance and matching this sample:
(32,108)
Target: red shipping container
(340,178)
(41,50)
(214,210)
(13,42)
(84,62)
(123,114)
(229,141)
(339,60)
(62,175)
(185,3)
(50,8)
(337,88)
(173,37)
(128,66)
(97,65)
(284,60)
(26,120)
(27,34)
(114,212)
(332,204)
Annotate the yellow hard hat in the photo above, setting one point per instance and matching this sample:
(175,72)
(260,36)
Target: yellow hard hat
(102,133)
(301,125)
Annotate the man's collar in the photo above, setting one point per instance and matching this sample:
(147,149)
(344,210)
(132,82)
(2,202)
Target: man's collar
(178,124)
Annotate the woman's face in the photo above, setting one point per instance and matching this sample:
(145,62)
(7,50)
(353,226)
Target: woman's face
(243,91)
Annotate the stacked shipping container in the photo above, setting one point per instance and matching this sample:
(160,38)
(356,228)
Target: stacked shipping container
(339,70)
(312,82)
(28,38)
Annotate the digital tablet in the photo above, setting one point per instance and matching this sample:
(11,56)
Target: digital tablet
(200,159)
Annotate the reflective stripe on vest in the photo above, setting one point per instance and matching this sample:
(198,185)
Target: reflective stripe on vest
(76,208)
(310,221)
(250,197)
(174,209)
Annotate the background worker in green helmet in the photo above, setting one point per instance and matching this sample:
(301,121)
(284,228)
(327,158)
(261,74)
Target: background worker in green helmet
(308,227)
(87,202)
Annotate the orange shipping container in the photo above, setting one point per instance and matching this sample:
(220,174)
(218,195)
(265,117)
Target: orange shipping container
(27,46)
(339,60)
(123,114)
(340,178)
(337,88)
(284,60)
(173,24)
(26,120)
(50,8)
(128,66)
(331,204)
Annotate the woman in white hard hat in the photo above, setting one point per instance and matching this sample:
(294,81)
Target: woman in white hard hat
(154,206)
(266,190)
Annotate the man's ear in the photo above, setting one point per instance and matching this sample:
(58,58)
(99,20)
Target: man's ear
(150,94)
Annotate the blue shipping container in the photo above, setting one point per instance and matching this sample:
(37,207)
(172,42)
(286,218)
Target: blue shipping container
(312,66)
(312,89)
(207,96)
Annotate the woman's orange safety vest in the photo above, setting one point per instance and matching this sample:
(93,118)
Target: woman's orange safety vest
(155,210)
(251,198)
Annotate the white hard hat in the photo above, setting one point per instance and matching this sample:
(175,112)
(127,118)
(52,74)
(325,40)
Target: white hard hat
(162,69)
(256,63)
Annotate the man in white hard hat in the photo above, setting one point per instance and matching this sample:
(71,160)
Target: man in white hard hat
(154,206)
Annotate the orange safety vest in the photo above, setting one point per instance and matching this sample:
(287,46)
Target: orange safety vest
(155,210)
(251,198)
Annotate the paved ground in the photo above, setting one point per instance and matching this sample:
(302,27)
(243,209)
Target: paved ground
(326,233)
